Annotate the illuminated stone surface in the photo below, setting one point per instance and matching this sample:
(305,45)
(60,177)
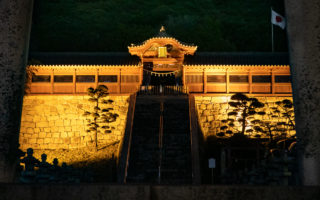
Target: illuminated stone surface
(211,110)
(64,126)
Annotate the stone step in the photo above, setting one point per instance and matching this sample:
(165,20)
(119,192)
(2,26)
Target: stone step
(144,153)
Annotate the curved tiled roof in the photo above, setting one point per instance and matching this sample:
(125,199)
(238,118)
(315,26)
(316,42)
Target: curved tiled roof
(84,58)
(228,58)
(163,34)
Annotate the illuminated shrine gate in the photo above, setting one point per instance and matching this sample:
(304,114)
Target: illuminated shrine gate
(162,60)
(162,57)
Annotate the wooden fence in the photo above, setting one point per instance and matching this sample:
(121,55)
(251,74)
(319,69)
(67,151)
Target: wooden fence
(162,90)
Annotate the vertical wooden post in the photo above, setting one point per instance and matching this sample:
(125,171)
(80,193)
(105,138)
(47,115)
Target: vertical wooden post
(273,87)
(52,81)
(141,78)
(183,76)
(250,82)
(204,81)
(141,75)
(74,80)
(185,88)
(96,78)
(227,81)
(119,81)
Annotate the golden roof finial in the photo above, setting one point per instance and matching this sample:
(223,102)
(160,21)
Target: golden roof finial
(162,29)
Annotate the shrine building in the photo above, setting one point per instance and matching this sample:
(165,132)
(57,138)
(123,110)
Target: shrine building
(161,60)
(52,114)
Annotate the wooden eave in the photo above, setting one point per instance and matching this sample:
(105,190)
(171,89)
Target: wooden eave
(83,66)
(239,67)
(141,49)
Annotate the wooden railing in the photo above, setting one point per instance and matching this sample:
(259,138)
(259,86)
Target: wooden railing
(124,147)
(194,137)
(254,88)
(162,90)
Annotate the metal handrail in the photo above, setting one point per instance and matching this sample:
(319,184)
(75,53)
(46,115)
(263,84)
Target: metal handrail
(194,139)
(124,148)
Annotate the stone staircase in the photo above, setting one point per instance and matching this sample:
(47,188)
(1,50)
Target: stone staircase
(174,160)
(144,151)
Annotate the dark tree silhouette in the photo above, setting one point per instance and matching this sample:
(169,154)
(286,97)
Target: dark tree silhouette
(277,130)
(244,108)
(101,117)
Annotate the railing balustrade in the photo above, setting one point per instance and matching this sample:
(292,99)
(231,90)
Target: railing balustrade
(162,90)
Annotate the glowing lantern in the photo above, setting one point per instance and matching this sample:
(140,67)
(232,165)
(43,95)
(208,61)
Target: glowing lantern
(162,52)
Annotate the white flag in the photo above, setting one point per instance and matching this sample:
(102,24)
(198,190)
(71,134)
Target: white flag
(277,19)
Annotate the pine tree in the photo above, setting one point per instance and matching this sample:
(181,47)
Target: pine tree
(100,117)
(244,108)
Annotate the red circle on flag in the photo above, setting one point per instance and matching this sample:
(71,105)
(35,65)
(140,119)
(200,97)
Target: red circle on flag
(278,19)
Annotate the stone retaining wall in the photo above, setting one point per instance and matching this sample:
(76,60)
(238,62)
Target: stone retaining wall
(212,109)
(57,122)
(154,192)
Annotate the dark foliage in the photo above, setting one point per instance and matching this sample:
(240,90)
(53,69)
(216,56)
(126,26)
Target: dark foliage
(244,108)
(100,25)
(101,117)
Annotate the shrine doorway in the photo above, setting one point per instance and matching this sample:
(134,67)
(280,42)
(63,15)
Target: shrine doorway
(157,78)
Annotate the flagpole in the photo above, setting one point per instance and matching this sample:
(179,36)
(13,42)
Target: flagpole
(272,43)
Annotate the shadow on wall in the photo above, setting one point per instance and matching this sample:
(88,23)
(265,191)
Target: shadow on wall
(94,169)
(243,160)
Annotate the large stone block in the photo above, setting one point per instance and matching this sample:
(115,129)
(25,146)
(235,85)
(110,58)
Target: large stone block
(75,140)
(202,107)
(59,123)
(67,140)
(30,124)
(42,135)
(49,135)
(54,129)
(47,129)
(70,134)
(30,130)
(64,134)
(32,141)
(51,123)
(206,112)
(40,141)
(66,122)
(48,140)
(56,135)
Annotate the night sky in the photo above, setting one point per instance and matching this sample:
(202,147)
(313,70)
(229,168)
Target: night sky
(112,25)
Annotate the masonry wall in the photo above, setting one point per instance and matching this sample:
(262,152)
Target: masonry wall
(212,109)
(57,122)
(151,192)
